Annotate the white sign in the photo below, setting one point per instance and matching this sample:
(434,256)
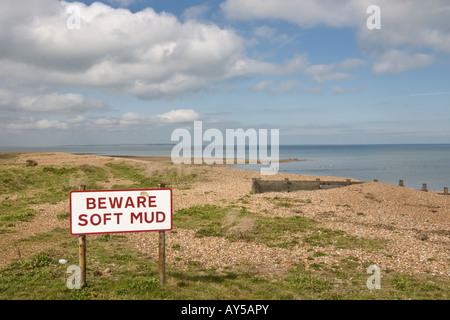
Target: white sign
(112,211)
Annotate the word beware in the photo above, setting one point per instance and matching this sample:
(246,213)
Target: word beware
(120,211)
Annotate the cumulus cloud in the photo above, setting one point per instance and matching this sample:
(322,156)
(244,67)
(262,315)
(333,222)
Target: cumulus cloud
(49,102)
(270,87)
(113,123)
(265,32)
(417,28)
(40,125)
(335,71)
(340,90)
(180,115)
(122,3)
(138,120)
(396,61)
(306,13)
(146,53)
(195,12)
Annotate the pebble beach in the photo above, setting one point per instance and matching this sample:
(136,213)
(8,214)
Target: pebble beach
(414,225)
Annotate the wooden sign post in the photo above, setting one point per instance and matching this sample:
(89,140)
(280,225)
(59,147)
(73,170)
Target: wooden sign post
(118,211)
(162,251)
(82,252)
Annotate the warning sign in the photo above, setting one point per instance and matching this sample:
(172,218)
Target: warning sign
(112,211)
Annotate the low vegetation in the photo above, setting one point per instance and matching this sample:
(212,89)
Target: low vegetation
(171,177)
(22,185)
(240,224)
(115,270)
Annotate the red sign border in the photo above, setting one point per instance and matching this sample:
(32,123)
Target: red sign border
(90,191)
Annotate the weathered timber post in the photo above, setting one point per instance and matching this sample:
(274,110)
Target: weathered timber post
(162,251)
(400,183)
(424,187)
(445,190)
(288,185)
(82,252)
(255,185)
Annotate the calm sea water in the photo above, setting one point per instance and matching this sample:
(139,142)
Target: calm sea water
(415,164)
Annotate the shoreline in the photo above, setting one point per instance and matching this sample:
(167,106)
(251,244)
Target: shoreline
(414,223)
(225,161)
(168,160)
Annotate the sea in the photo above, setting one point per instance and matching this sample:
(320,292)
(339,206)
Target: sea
(415,164)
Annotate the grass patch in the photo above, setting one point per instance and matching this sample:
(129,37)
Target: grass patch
(54,236)
(22,185)
(5,156)
(348,280)
(171,177)
(240,224)
(323,237)
(116,271)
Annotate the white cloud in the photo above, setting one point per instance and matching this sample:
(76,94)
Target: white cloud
(40,125)
(135,119)
(262,85)
(195,12)
(51,124)
(55,103)
(122,3)
(270,87)
(305,13)
(265,32)
(396,61)
(49,102)
(129,120)
(332,72)
(180,115)
(313,90)
(148,54)
(418,28)
(76,120)
(340,90)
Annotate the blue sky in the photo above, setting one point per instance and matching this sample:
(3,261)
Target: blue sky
(133,71)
